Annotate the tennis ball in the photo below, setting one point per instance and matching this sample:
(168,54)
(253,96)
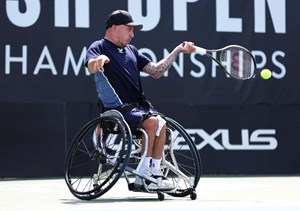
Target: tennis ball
(265,74)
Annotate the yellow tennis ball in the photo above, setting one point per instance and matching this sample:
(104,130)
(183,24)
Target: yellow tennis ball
(266,74)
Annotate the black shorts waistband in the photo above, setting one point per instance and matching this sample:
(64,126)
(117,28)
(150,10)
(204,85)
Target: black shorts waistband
(129,106)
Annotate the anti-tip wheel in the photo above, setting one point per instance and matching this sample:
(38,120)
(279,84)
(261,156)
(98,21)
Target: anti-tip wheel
(193,195)
(161,196)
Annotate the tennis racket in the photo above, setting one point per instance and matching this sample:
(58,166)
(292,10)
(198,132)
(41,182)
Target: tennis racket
(235,60)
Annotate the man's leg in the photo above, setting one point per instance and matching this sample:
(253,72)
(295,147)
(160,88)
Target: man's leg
(155,149)
(150,126)
(155,144)
(159,143)
(158,148)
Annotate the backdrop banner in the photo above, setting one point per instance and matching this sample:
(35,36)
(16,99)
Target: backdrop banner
(240,127)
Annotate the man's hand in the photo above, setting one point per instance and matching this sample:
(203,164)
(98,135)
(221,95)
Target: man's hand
(99,63)
(187,47)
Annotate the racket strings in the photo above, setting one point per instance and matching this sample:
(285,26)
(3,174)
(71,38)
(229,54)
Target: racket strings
(237,62)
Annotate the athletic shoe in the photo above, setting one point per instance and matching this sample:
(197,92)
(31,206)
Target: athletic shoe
(138,181)
(163,184)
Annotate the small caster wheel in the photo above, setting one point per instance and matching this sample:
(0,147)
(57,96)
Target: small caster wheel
(96,188)
(161,196)
(193,195)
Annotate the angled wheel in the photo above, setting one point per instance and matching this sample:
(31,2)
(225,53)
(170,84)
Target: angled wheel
(181,161)
(97,157)
(160,196)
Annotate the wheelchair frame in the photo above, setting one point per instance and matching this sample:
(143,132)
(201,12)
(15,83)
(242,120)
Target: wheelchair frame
(106,148)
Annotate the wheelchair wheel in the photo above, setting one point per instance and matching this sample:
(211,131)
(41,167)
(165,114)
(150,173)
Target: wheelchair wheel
(182,161)
(97,157)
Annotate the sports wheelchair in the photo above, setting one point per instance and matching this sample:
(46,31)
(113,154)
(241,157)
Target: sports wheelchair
(106,148)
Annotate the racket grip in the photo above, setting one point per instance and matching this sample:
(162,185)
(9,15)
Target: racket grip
(200,50)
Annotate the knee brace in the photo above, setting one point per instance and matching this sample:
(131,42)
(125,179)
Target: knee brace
(161,123)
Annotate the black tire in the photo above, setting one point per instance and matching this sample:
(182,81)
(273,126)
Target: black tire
(97,157)
(160,196)
(186,157)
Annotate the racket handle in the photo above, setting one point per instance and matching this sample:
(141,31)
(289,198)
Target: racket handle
(200,50)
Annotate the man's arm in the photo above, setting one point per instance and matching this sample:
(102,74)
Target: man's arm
(156,70)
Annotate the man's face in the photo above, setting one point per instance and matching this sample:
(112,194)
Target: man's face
(124,35)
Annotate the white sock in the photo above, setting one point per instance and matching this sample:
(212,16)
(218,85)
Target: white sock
(143,170)
(155,166)
(145,165)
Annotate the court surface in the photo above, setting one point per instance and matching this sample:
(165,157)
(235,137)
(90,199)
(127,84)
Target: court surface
(213,193)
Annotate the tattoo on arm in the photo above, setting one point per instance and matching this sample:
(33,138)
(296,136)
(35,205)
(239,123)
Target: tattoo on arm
(158,69)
